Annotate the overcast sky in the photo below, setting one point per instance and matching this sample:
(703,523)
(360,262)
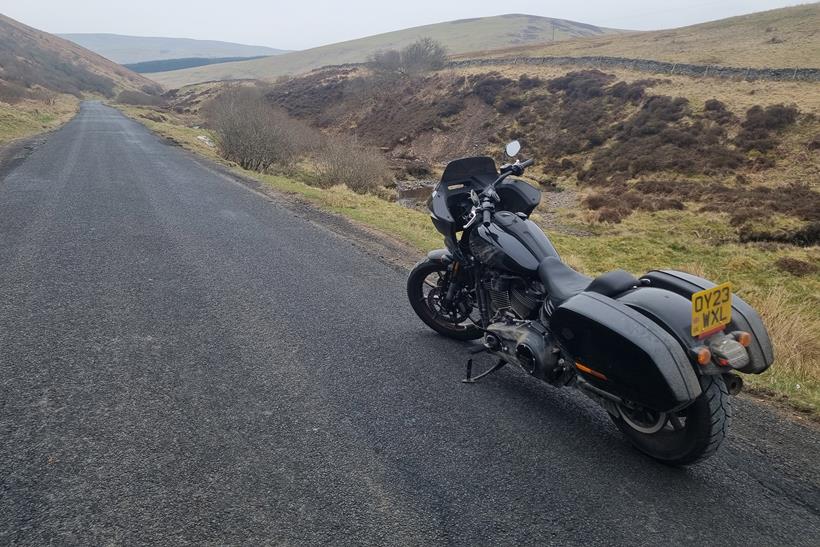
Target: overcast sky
(309,23)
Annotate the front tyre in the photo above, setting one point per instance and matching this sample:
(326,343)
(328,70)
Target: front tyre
(684,437)
(426,288)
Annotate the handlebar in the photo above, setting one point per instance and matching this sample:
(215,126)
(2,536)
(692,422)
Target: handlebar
(488,195)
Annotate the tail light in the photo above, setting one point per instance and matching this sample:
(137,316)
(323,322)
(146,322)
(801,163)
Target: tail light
(729,352)
(743,338)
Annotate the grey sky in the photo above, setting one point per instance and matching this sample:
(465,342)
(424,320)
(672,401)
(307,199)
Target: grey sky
(309,23)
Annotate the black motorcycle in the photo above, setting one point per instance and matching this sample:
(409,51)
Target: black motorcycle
(660,353)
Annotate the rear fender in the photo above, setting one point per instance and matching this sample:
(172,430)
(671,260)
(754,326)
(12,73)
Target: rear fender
(744,317)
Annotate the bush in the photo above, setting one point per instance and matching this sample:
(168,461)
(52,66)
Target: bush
(795,266)
(255,134)
(525,82)
(759,124)
(423,55)
(582,84)
(488,87)
(345,161)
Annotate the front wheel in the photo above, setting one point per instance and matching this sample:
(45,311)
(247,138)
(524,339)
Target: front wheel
(427,288)
(684,437)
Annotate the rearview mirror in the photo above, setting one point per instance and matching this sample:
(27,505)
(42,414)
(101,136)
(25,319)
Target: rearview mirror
(513,149)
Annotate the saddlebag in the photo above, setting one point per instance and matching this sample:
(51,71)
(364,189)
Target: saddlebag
(624,353)
(744,317)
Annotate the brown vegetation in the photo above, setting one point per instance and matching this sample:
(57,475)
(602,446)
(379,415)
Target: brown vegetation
(631,145)
(260,136)
(252,133)
(32,61)
(345,161)
(139,98)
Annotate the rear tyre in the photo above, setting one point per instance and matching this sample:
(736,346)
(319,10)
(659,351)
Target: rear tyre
(684,437)
(426,286)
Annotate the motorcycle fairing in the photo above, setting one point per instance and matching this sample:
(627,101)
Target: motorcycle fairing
(632,357)
(451,202)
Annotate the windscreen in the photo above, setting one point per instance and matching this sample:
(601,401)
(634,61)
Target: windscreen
(465,168)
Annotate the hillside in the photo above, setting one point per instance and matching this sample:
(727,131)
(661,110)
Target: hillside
(32,61)
(781,38)
(458,36)
(136,49)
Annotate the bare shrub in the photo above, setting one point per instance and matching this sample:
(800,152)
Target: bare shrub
(255,134)
(342,160)
(386,62)
(423,55)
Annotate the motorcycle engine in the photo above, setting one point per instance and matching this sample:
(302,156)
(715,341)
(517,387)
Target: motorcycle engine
(529,345)
(514,294)
(516,335)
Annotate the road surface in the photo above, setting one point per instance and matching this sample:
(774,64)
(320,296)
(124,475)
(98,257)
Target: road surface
(183,361)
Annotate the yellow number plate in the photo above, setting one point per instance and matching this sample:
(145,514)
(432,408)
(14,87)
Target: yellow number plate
(711,309)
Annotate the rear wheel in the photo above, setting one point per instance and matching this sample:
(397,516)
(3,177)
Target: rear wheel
(427,288)
(684,437)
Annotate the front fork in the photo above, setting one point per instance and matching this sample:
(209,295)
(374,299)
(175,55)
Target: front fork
(458,277)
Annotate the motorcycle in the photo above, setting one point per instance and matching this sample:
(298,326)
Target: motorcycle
(660,353)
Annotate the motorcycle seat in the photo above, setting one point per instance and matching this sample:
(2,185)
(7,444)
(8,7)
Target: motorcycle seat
(562,282)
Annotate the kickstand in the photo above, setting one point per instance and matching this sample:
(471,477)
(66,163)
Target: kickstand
(471,380)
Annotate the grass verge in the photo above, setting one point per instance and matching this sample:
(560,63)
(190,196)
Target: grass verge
(685,240)
(28,118)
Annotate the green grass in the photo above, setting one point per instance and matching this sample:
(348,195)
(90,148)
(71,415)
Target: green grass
(29,118)
(685,240)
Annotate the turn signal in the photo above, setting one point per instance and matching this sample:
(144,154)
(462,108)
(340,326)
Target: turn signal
(704,356)
(743,338)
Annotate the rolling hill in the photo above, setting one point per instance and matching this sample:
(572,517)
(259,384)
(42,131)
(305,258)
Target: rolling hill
(31,59)
(458,36)
(136,49)
(781,38)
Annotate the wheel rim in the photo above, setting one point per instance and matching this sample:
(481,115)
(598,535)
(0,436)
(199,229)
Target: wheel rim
(456,316)
(645,420)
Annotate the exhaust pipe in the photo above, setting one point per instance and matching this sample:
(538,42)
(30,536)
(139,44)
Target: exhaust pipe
(734,383)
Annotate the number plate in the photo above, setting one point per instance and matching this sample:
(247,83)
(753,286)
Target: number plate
(711,309)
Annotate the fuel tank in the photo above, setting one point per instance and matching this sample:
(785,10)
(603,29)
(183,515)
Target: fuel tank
(511,243)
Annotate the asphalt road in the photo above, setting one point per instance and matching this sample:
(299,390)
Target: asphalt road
(183,361)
